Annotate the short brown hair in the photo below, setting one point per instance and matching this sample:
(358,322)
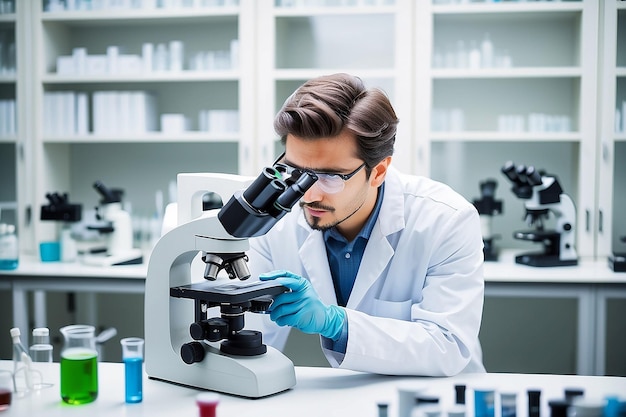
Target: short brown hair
(323,107)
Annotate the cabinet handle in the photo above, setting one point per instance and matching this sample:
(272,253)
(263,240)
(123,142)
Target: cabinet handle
(600,221)
(587,214)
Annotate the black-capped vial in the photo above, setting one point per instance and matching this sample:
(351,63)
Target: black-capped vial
(534,403)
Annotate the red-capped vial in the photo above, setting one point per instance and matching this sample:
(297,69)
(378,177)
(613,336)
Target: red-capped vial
(207,404)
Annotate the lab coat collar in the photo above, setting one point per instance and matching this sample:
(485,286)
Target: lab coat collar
(377,254)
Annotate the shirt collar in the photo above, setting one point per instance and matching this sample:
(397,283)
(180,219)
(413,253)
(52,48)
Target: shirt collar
(366,230)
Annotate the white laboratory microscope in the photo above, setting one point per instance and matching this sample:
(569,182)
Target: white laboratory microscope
(183,344)
(544,195)
(117,229)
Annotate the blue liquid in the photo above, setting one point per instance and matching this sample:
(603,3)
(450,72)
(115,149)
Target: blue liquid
(8,264)
(133,370)
(484,404)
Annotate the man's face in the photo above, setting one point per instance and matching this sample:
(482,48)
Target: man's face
(347,209)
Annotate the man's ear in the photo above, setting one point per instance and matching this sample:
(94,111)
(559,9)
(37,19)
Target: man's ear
(379,172)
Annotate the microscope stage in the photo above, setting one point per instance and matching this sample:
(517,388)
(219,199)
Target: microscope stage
(231,293)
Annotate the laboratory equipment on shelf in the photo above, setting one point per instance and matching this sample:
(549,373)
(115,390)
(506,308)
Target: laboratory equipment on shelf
(488,207)
(117,228)
(182,340)
(60,209)
(617,260)
(543,195)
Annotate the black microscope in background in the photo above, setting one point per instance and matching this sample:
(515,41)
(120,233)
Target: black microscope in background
(542,195)
(488,207)
(617,261)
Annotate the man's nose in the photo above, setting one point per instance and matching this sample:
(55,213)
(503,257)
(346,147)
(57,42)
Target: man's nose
(313,194)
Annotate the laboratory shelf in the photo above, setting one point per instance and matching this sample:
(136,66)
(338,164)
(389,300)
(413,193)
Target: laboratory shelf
(305,74)
(138,16)
(157,137)
(159,77)
(490,136)
(333,10)
(513,72)
(8,18)
(8,139)
(518,9)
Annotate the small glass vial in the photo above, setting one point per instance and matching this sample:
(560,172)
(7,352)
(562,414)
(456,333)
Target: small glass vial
(41,349)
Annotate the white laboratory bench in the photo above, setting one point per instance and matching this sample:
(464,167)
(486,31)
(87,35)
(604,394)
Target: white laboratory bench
(318,392)
(591,283)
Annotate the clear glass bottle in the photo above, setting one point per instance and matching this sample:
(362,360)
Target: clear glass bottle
(21,363)
(9,251)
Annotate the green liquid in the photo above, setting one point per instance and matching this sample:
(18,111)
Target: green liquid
(79,376)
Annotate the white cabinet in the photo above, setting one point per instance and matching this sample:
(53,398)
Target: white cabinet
(533,100)
(299,40)
(133,97)
(612,131)
(14,127)
(527,95)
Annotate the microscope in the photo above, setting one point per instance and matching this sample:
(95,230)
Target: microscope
(117,229)
(543,195)
(487,207)
(184,344)
(617,260)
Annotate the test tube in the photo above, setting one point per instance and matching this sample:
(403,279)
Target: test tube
(508,404)
(132,355)
(484,402)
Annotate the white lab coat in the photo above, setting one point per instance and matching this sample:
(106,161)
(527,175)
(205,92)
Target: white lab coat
(417,301)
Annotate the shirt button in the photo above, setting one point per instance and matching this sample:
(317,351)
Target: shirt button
(347,255)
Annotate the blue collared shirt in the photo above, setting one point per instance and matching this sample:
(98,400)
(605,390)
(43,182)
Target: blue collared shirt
(344,259)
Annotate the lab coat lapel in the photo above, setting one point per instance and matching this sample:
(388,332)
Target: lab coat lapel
(378,252)
(313,256)
(377,255)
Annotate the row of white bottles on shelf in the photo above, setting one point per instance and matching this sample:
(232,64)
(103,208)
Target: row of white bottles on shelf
(161,57)
(8,118)
(453,120)
(481,55)
(7,55)
(7,6)
(82,5)
(620,118)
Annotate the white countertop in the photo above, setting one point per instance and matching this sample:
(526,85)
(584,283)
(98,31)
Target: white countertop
(505,270)
(318,392)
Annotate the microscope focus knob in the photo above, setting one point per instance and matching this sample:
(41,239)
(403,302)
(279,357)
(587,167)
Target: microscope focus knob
(213,329)
(192,352)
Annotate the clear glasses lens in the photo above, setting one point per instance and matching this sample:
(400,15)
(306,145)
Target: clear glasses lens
(330,183)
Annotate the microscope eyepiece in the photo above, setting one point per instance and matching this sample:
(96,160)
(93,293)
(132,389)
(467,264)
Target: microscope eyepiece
(534,177)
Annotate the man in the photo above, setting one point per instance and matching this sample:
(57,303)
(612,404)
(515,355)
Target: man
(386,268)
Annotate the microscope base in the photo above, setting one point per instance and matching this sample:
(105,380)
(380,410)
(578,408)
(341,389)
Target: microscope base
(543,260)
(617,262)
(245,376)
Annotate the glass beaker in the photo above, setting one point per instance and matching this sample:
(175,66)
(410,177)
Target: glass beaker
(6,389)
(79,364)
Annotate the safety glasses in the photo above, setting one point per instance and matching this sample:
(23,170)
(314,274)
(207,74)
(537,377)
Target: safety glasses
(328,182)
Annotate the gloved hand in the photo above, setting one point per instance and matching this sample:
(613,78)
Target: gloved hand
(302,308)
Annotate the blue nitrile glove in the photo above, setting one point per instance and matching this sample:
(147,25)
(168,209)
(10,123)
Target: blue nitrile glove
(302,308)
